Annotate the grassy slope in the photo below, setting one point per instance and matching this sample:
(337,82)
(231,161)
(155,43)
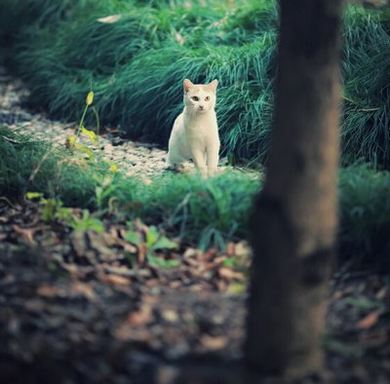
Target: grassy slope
(208,212)
(136,66)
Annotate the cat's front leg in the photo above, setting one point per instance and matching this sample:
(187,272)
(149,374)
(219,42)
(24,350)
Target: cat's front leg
(199,159)
(212,159)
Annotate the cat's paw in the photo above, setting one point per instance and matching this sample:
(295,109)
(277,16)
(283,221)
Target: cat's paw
(177,168)
(213,171)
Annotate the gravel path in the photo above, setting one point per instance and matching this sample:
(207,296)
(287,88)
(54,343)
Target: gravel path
(132,158)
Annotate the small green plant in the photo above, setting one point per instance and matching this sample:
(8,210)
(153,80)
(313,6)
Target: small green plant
(51,209)
(151,240)
(231,262)
(104,189)
(81,129)
(73,141)
(87,223)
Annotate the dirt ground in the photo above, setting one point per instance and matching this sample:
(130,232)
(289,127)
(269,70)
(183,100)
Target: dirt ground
(72,310)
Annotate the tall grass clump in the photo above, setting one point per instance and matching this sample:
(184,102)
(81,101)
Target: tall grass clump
(137,63)
(207,212)
(135,54)
(365,214)
(366,68)
(27,165)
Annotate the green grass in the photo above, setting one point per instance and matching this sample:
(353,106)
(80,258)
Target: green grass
(135,63)
(367,87)
(136,66)
(27,165)
(204,212)
(365,213)
(207,212)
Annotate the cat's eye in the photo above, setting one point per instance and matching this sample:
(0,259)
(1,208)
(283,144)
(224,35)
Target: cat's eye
(207,98)
(195,98)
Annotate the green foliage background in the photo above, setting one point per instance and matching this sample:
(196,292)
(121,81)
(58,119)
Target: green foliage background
(136,66)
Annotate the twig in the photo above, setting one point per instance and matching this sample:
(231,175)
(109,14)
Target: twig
(12,140)
(38,167)
(8,202)
(369,109)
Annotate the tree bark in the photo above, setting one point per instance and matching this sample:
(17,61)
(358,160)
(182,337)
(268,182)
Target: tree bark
(295,217)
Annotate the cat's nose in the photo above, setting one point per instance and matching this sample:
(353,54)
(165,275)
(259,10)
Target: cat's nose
(201,107)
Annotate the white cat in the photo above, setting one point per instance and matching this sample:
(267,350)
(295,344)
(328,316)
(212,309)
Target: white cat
(195,131)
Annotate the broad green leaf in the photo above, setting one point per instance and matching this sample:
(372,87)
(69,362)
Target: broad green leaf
(164,243)
(88,223)
(229,262)
(91,134)
(50,209)
(64,214)
(363,303)
(96,225)
(159,262)
(155,240)
(134,237)
(84,149)
(152,236)
(33,195)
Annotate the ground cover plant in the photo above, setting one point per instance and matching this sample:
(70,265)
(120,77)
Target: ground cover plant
(185,205)
(206,213)
(134,55)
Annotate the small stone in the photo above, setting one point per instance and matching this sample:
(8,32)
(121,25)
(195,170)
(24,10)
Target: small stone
(170,315)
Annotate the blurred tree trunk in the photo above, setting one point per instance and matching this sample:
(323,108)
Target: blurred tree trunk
(295,216)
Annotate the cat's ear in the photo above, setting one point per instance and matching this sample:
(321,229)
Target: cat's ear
(213,85)
(187,84)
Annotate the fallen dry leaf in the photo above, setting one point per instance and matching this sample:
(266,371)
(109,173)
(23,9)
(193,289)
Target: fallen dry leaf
(142,251)
(242,249)
(229,274)
(170,315)
(374,339)
(84,289)
(46,290)
(230,248)
(381,293)
(109,19)
(190,252)
(213,342)
(27,234)
(115,280)
(369,321)
(127,247)
(141,317)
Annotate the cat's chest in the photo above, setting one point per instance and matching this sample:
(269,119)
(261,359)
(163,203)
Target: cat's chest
(202,126)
